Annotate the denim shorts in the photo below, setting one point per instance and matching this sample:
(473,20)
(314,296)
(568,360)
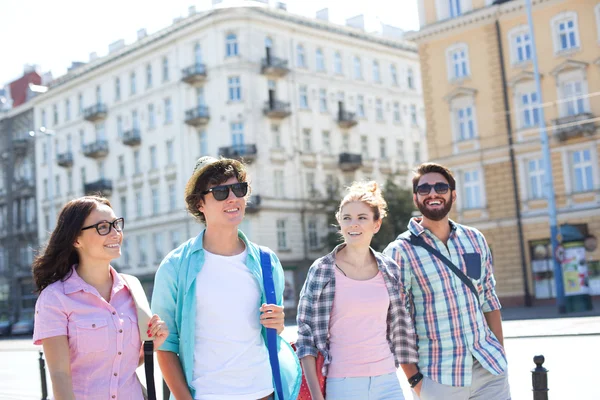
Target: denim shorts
(380,387)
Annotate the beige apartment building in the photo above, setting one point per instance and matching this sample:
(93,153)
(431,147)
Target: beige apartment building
(482,122)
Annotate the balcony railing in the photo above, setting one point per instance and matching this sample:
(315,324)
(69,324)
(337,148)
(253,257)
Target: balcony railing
(197,116)
(95,112)
(243,152)
(103,187)
(21,144)
(574,126)
(350,161)
(97,149)
(65,159)
(132,137)
(194,74)
(277,109)
(346,119)
(253,204)
(274,66)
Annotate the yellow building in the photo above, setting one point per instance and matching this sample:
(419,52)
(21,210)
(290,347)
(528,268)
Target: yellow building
(479,94)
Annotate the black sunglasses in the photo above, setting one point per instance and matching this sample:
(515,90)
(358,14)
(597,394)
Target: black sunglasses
(221,192)
(425,189)
(103,227)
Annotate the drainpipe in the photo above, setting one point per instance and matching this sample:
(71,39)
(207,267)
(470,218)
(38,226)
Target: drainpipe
(509,132)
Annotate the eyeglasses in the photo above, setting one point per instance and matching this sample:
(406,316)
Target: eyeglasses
(220,193)
(103,227)
(425,189)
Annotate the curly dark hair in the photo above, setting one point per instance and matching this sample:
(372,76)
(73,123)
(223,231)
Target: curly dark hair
(215,174)
(428,168)
(58,257)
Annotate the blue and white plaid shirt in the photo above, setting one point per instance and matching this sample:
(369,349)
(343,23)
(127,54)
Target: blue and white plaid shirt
(450,325)
(316,300)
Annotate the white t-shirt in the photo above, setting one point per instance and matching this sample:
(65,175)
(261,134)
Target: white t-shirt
(231,361)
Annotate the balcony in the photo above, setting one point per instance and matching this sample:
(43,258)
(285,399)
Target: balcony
(349,162)
(197,116)
(97,149)
(132,137)
(65,159)
(245,152)
(95,112)
(24,187)
(102,187)
(194,74)
(21,144)
(346,119)
(274,67)
(573,126)
(253,204)
(277,109)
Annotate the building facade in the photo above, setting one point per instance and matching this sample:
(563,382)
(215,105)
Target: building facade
(304,102)
(483,122)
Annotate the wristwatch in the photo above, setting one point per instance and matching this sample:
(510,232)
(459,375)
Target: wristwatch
(415,379)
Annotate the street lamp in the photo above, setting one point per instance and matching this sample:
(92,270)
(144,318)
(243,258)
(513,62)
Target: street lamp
(49,133)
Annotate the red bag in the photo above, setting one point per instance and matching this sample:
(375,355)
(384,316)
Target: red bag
(304,391)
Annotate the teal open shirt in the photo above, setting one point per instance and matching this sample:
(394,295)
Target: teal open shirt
(174,300)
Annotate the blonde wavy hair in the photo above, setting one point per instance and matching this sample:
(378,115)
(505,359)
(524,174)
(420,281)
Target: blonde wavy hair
(368,192)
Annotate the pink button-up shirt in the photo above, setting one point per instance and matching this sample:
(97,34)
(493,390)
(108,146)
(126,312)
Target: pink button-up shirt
(104,341)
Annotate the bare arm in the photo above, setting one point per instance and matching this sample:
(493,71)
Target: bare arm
(173,374)
(494,321)
(309,364)
(56,350)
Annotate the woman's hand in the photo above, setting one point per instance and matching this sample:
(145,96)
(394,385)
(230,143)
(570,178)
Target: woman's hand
(158,330)
(272,317)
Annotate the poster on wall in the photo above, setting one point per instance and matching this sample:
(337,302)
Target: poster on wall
(575,272)
(289,292)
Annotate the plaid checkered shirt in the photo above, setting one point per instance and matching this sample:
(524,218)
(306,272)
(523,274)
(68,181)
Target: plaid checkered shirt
(316,300)
(450,324)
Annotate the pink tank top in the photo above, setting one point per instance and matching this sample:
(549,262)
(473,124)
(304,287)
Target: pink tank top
(358,342)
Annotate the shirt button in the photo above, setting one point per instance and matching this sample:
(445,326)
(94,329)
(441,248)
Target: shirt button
(120,330)
(113,396)
(115,374)
(93,325)
(119,353)
(114,313)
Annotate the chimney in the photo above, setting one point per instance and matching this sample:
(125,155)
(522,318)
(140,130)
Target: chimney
(191,10)
(93,56)
(357,22)
(281,6)
(141,33)
(116,45)
(323,14)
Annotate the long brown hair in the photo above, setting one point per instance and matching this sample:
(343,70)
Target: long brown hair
(58,257)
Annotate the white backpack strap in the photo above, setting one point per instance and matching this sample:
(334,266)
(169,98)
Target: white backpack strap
(144,314)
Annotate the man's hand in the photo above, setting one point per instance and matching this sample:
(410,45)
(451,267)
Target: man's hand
(272,317)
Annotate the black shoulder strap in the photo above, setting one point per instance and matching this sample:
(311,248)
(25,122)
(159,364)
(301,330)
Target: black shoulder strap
(418,241)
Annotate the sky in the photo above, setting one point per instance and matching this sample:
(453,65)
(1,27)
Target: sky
(52,33)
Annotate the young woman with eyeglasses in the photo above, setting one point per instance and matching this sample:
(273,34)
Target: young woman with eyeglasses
(85,316)
(352,309)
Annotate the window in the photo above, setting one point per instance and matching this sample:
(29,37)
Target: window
(170,153)
(235,88)
(410,79)
(165,69)
(360,105)
(535,174)
(379,109)
(153,161)
(521,45)
(397,112)
(310,183)
(132,84)
(139,211)
(237,137)
(231,45)
(313,237)
(345,142)
(55,114)
(320,59)
(197,54)
(327,142)
(79,108)
(175,239)
(281,235)
(158,240)
(43,118)
(44,153)
(69,182)
(98,95)
(307,140)
(565,32)
(136,162)
(67,110)
(417,153)
(155,201)
(458,62)
(413,114)
(472,189)
(172,197)
(121,164)
(376,72)
(529,109)
(203,143)
(300,56)
(168,110)
(135,121)
(357,68)
(119,127)
(454,8)
(394,75)
(117,89)
(466,123)
(573,96)
(57,185)
(148,76)
(337,63)
(323,100)
(278,183)
(83,176)
(276,137)
(400,150)
(364,147)
(382,148)
(142,246)
(582,171)
(151,117)
(101,170)
(303,100)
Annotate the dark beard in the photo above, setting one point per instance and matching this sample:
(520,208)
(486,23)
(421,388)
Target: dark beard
(435,215)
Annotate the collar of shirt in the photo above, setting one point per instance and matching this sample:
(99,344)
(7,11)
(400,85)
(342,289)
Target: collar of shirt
(415,227)
(75,283)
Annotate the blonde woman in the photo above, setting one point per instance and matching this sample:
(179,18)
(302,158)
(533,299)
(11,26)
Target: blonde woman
(352,309)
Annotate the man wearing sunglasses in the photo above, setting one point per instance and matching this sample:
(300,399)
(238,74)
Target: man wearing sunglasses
(210,291)
(446,269)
